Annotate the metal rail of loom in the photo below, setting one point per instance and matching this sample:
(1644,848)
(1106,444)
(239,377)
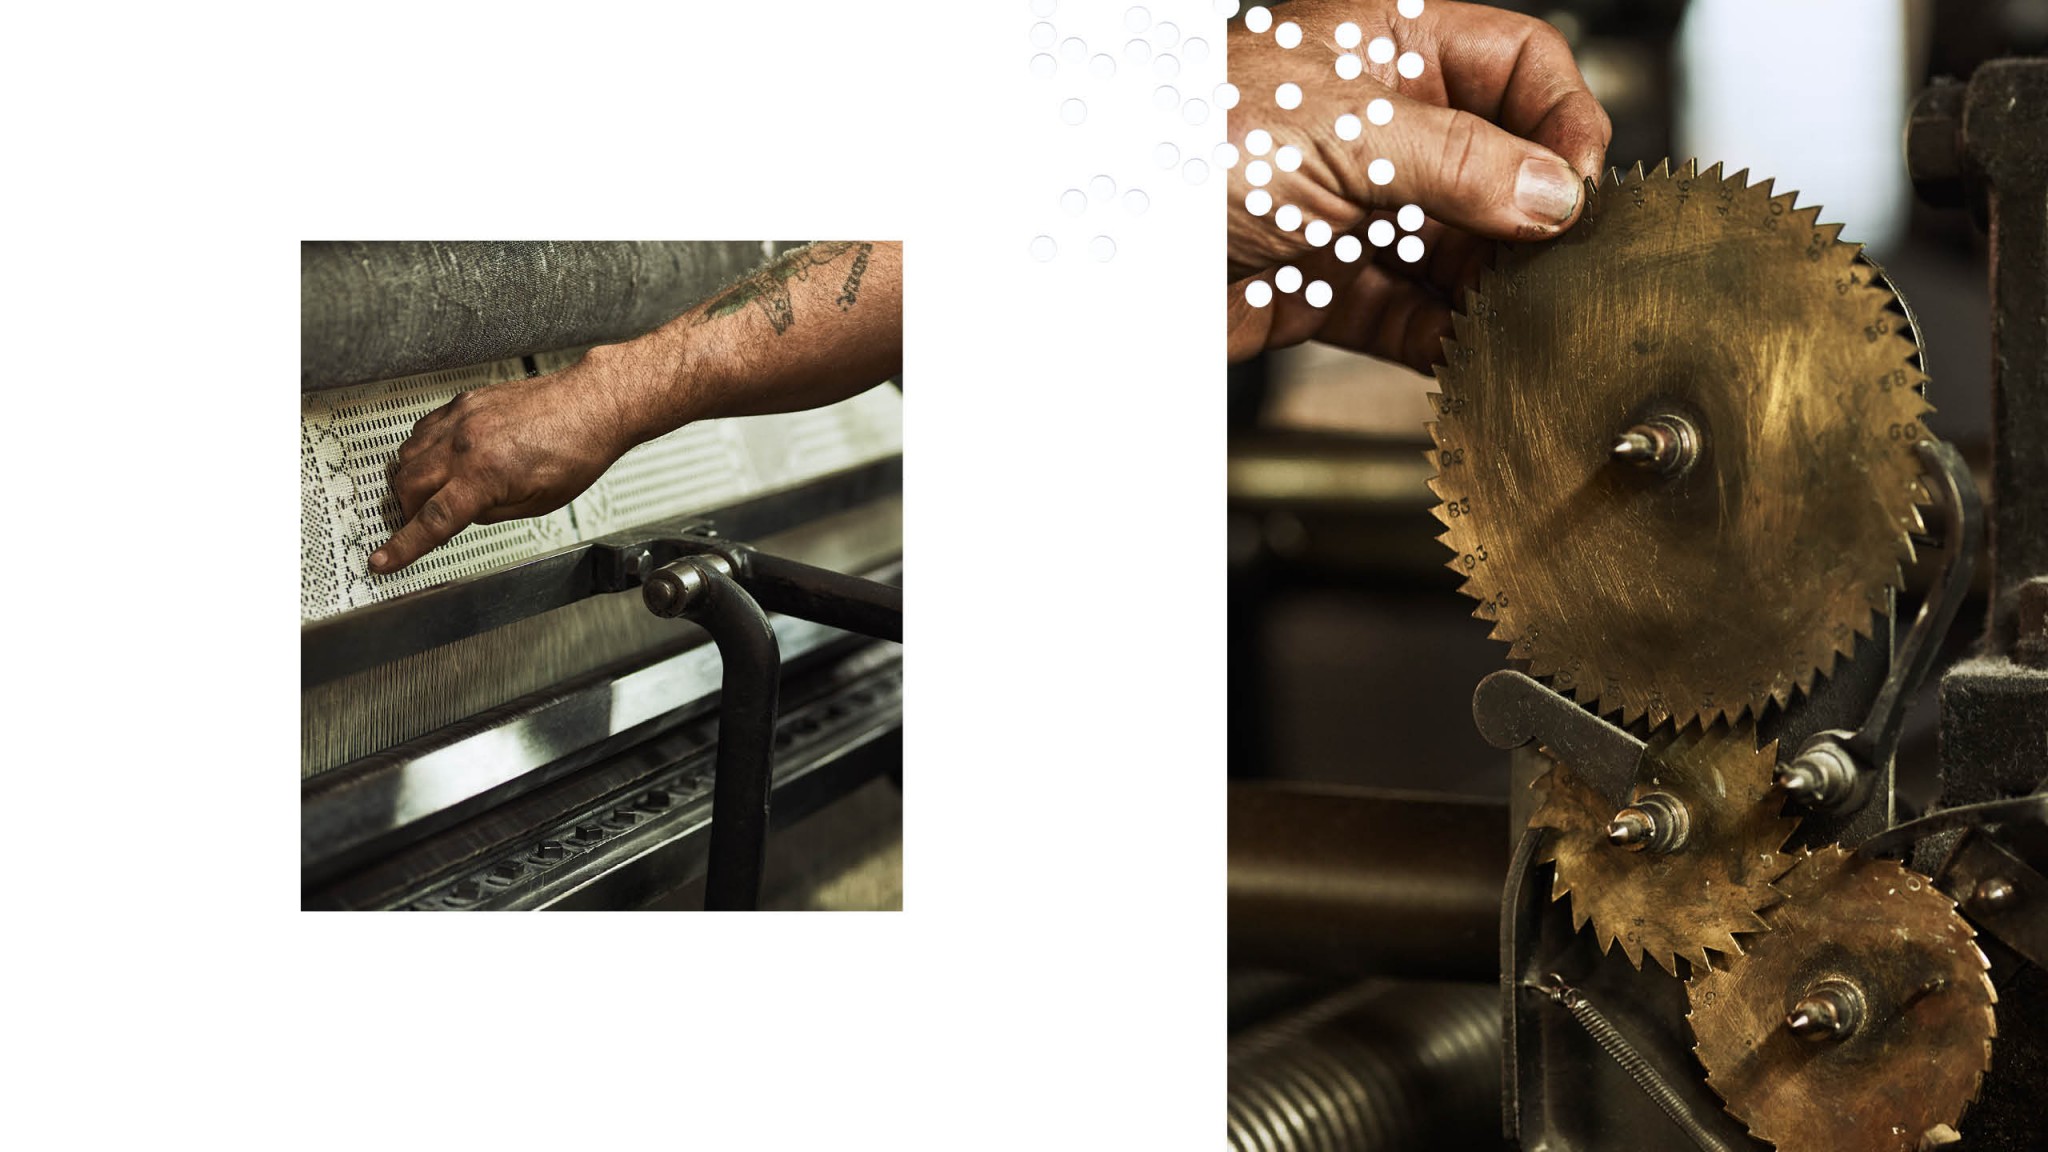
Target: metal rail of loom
(358,819)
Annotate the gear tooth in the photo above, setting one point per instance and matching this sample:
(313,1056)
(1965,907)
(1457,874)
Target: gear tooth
(1740,178)
(1689,170)
(1663,169)
(1667,963)
(1763,188)
(1713,171)
(1635,174)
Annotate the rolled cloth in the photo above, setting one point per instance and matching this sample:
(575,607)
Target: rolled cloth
(384,309)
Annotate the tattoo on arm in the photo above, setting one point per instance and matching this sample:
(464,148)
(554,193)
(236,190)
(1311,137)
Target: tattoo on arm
(768,289)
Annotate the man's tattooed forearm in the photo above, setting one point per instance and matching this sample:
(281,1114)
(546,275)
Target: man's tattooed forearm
(769,288)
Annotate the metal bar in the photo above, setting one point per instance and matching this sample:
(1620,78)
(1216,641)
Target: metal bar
(341,645)
(826,597)
(1359,882)
(746,732)
(1511,710)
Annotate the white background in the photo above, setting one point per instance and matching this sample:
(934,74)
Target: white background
(1058,978)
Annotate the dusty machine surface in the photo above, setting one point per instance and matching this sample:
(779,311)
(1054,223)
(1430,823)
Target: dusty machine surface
(1683,463)
(549,712)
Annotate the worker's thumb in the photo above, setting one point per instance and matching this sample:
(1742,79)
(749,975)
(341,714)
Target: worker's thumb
(1466,172)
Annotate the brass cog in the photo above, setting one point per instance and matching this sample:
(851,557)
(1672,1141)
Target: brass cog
(1901,1077)
(1646,576)
(1689,900)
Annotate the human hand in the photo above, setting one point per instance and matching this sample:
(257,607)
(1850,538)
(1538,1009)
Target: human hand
(504,451)
(1491,140)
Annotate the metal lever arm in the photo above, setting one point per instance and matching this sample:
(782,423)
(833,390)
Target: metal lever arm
(1833,768)
(702,588)
(1512,709)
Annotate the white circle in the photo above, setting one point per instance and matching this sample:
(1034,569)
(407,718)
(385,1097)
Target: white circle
(1137,19)
(1073,111)
(1380,171)
(1102,187)
(1258,293)
(1288,95)
(1166,66)
(1287,279)
(1103,65)
(1258,173)
(1410,65)
(1167,154)
(1348,35)
(1226,96)
(1225,155)
(1318,294)
(1138,52)
(1073,201)
(1349,127)
(1348,249)
(1410,217)
(1102,248)
(1410,248)
(1380,50)
(1317,233)
(1195,111)
(1043,7)
(1288,218)
(1349,67)
(1380,232)
(1195,50)
(1044,248)
(1287,35)
(1043,65)
(1288,158)
(1258,141)
(1166,97)
(1168,33)
(1380,111)
(1410,8)
(1258,202)
(1073,50)
(1135,202)
(1195,171)
(1258,19)
(1042,35)
(1226,8)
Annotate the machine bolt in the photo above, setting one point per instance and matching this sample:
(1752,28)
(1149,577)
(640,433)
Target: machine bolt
(1821,777)
(508,869)
(1993,894)
(1664,444)
(1830,1010)
(589,833)
(550,850)
(466,890)
(654,801)
(1657,822)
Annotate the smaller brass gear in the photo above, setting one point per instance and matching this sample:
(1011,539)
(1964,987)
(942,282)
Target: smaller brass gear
(1694,898)
(1861,1022)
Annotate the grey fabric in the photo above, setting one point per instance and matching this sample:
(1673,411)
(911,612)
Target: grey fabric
(379,310)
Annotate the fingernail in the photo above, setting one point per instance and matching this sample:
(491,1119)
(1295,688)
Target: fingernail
(379,559)
(1547,190)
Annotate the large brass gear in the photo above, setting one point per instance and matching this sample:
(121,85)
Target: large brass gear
(1705,590)
(1918,1000)
(1693,899)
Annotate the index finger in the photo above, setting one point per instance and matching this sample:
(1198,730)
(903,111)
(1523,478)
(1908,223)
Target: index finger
(1518,72)
(444,514)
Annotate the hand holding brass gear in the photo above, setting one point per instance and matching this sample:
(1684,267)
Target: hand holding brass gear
(1861,1022)
(1688,865)
(1675,448)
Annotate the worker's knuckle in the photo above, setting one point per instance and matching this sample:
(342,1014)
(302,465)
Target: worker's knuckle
(1460,155)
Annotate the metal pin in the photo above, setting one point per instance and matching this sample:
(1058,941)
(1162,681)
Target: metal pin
(1631,829)
(1830,1010)
(1635,447)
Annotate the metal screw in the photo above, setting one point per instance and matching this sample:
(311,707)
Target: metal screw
(550,850)
(466,890)
(1993,894)
(1820,777)
(508,869)
(589,833)
(1830,1010)
(655,801)
(1658,822)
(1666,444)
(621,818)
